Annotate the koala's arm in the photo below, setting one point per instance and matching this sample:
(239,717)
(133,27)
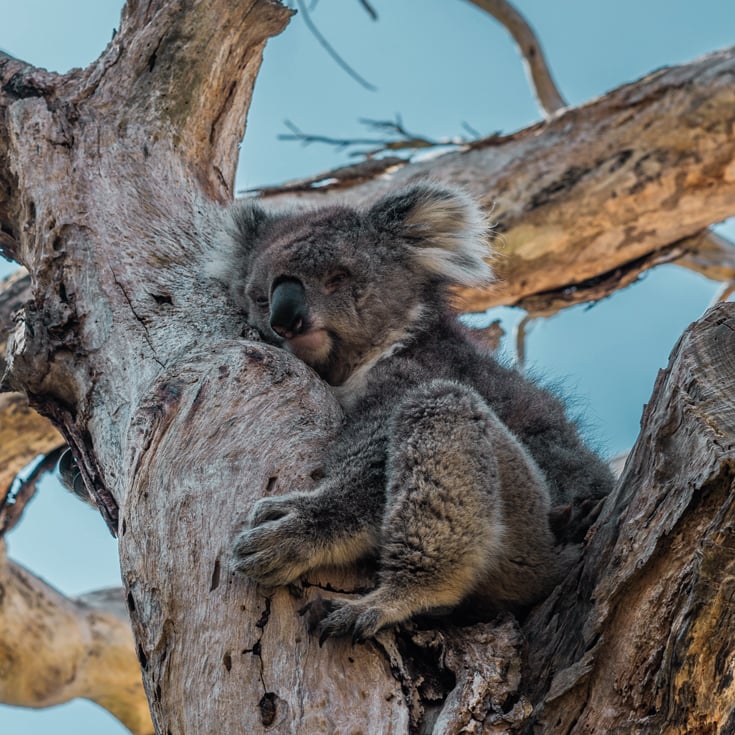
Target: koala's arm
(333,525)
(466,516)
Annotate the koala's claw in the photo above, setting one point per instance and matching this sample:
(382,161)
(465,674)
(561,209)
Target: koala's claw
(315,611)
(271,509)
(273,553)
(338,618)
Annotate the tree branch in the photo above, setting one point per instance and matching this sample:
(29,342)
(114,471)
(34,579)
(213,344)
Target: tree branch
(54,649)
(24,435)
(157,51)
(17,495)
(549,98)
(396,137)
(330,49)
(710,254)
(652,598)
(590,192)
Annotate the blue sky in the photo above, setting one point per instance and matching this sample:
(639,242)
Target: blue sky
(439,64)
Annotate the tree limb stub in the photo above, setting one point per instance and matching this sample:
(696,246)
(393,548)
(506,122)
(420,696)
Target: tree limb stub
(592,189)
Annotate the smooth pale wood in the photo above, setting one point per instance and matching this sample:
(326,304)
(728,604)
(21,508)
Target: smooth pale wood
(54,648)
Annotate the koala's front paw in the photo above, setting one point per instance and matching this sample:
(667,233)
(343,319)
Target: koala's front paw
(280,543)
(336,618)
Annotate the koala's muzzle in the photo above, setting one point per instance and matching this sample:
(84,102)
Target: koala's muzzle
(288,308)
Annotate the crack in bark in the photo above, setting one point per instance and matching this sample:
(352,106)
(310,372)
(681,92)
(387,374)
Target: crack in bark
(268,702)
(327,587)
(146,333)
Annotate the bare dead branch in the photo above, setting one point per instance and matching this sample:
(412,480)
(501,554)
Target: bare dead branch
(24,435)
(725,293)
(549,98)
(331,50)
(397,138)
(521,334)
(710,254)
(369,9)
(589,192)
(55,648)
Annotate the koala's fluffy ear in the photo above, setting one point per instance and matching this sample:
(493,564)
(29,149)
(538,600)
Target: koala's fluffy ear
(243,225)
(249,220)
(447,231)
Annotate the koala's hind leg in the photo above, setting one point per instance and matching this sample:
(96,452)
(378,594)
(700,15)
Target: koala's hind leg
(444,528)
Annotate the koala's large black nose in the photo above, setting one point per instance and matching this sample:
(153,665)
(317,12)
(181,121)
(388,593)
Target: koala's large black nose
(288,308)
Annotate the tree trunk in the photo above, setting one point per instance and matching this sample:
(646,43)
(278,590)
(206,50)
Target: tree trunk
(111,177)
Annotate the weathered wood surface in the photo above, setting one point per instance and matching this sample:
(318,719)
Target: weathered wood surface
(642,639)
(179,423)
(53,648)
(137,357)
(24,434)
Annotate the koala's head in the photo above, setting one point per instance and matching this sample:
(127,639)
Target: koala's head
(339,286)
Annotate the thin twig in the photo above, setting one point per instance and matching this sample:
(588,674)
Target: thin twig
(402,139)
(710,254)
(522,330)
(330,49)
(547,93)
(369,9)
(724,294)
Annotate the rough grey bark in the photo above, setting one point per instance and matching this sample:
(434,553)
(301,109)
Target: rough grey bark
(111,176)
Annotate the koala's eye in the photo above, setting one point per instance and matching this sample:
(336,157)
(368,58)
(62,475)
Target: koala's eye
(335,280)
(261,301)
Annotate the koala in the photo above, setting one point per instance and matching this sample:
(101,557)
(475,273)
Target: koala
(450,468)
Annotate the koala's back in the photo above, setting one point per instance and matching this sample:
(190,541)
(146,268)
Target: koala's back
(532,413)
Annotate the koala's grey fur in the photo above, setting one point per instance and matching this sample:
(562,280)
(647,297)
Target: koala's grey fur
(448,464)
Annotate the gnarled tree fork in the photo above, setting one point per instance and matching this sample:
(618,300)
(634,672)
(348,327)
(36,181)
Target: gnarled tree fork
(112,178)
